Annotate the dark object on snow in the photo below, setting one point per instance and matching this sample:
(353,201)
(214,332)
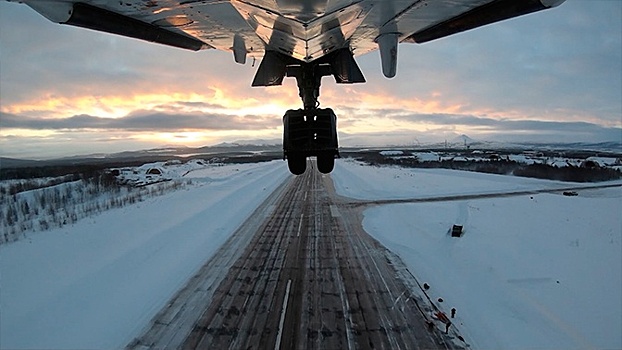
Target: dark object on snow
(440,300)
(590,164)
(456,231)
(570,193)
(443,318)
(426,286)
(453,312)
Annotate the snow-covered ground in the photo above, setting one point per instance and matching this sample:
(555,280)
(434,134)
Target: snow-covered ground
(357,180)
(98,282)
(530,272)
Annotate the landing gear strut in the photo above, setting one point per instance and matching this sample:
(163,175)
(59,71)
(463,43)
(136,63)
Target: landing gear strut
(310,131)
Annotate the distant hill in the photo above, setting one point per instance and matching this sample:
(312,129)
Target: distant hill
(273,147)
(16,163)
(243,143)
(143,156)
(463,139)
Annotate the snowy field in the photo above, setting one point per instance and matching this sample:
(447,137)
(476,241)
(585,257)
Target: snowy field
(531,272)
(97,283)
(541,272)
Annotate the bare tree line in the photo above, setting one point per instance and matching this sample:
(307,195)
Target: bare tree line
(39,205)
(500,166)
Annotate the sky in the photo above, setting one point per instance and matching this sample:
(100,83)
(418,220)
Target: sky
(552,76)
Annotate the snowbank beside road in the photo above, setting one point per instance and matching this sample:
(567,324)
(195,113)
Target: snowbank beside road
(357,180)
(539,271)
(97,283)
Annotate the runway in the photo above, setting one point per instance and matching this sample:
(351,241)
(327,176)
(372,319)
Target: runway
(300,273)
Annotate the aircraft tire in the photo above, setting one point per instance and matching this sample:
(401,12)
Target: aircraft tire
(325,163)
(297,164)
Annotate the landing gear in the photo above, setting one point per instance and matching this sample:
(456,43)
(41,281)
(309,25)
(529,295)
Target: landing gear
(308,133)
(297,163)
(312,131)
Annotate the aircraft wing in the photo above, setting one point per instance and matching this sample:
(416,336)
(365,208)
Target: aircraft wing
(305,30)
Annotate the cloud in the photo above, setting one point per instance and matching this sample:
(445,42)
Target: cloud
(439,124)
(144,121)
(434,125)
(561,63)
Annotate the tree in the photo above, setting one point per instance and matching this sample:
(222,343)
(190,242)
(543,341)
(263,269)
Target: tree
(25,209)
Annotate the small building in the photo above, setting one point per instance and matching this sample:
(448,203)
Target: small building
(154,171)
(456,231)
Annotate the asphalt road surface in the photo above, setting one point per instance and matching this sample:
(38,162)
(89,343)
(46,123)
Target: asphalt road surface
(301,273)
